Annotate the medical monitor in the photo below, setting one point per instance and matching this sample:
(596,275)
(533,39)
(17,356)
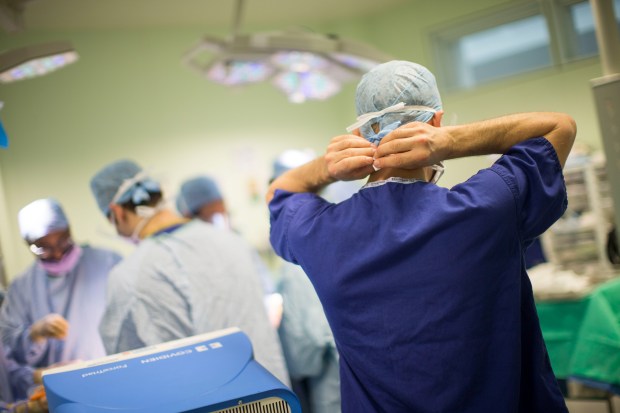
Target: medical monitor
(212,372)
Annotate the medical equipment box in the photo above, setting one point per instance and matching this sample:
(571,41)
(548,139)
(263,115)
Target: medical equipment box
(212,372)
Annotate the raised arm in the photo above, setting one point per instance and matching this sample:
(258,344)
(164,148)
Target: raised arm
(419,144)
(348,157)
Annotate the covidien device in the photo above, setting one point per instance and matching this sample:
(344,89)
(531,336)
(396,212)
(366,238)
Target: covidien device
(212,372)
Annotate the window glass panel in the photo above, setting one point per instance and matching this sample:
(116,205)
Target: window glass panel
(583,24)
(503,50)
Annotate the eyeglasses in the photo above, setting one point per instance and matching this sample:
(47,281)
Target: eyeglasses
(63,245)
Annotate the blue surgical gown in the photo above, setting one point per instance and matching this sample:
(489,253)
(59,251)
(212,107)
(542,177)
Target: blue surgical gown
(189,281)
(78,296)
(425,287)
(307,341)
(15,380)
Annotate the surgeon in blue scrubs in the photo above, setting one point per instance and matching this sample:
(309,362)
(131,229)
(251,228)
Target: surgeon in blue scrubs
(52,310)
(425,287)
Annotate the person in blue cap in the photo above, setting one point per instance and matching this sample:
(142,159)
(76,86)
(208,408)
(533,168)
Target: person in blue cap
(200,198)
(52,310)
(425,287)
(185,277)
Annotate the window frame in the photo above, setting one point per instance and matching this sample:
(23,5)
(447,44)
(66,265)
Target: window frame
(560,29)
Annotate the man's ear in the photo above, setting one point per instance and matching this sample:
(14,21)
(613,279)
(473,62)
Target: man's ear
(357,132)
(436,119)
(118,211)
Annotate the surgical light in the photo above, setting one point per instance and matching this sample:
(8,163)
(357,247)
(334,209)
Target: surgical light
(35,60)
(302,64)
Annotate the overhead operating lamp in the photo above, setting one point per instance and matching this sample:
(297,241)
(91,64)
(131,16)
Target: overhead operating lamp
(304,65)
(35,60)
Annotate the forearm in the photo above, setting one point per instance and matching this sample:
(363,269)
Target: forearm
(26,351)
(21,379)
(310,177)
(497,136)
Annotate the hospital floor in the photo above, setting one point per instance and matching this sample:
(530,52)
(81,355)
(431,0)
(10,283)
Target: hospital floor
(594,405)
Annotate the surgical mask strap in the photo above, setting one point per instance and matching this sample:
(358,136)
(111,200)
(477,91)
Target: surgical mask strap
(399,107)
(147,213)
(128,183)
(438,169)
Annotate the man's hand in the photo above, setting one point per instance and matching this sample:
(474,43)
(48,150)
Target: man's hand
(412,146)
(349,157)
(36,403)
(50,326)
(416,144)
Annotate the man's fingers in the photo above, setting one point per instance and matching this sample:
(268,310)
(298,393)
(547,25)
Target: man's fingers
(354,152)
(58,327)
(352,168)
(395,147)
(348,141)
(405,160)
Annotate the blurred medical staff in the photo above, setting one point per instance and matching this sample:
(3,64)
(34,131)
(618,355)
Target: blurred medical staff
(51,312)
(184,277)
(200,197)
(16,382)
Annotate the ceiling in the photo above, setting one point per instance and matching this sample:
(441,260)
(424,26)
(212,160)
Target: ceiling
(116,14)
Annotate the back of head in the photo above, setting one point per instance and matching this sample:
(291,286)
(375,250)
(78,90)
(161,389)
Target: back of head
(40,218)
(392,83)
(195,193)
(289,159)
(122,182)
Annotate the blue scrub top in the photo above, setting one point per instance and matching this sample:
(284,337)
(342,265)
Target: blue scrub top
(425,288)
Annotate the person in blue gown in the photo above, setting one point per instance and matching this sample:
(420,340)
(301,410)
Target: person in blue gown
(52,310)
(425,287)
(185,277)
(16,382)
(200,197)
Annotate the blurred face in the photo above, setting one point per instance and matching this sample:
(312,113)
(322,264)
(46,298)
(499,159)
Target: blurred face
(207,211)
(53,246)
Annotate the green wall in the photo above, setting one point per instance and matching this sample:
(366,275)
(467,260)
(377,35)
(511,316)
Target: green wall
(130,96)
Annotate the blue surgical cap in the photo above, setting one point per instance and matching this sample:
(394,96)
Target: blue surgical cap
(195,193)
(40,218)
(389,84)
(290,159)
(121,182)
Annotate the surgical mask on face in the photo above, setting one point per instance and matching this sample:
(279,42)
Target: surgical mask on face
(220,220)
(64,265)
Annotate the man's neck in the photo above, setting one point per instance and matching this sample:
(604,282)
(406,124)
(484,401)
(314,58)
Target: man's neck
(161,220)
(383,174)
